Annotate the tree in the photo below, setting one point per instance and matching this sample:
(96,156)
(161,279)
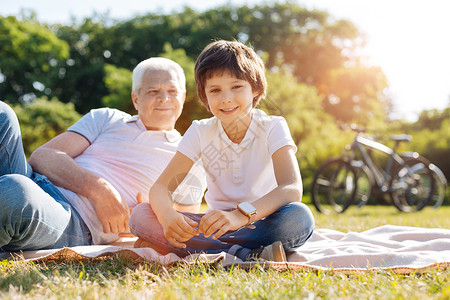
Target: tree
(31,56)
(83,80)
(355,95)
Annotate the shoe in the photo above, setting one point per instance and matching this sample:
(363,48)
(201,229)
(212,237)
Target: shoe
(273,252)
(141,243)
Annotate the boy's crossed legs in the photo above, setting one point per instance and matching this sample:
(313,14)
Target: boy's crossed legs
(292,224)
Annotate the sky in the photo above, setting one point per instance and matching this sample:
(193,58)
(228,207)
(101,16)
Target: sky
(408,39)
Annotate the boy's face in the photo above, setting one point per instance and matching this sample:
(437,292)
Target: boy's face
(230,99)
(160,99)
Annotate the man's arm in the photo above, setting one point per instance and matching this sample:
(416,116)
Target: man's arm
(55,159)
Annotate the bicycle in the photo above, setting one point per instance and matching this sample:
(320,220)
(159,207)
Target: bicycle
(355,175)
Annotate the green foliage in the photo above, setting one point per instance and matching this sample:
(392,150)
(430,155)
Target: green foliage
(82,82)
(355,94)
(30,59)
(42,120)
(118,82)
(432,119)
(434,144)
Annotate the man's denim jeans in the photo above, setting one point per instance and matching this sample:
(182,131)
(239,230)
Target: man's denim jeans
(292,224)
(33,213)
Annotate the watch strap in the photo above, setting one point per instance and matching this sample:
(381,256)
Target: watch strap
(252,218)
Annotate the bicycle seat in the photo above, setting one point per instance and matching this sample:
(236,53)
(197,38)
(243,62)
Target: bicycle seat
(401,137)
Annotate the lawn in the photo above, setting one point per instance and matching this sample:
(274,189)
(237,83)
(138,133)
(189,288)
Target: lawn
(116,278)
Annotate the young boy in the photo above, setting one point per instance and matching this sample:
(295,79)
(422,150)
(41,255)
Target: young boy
(254,183)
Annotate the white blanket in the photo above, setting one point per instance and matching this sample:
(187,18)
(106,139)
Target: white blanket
(398,248)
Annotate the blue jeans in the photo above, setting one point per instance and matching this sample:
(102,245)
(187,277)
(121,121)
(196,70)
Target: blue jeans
(34,214)
(292,224)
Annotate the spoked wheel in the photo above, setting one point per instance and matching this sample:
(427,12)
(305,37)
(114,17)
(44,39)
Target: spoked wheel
(334,186)
(439,180)
(411,186)
(364,183)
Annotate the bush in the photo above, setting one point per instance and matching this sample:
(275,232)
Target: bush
(42,120)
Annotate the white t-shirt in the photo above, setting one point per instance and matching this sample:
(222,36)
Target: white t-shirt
(131,158)
(237,172)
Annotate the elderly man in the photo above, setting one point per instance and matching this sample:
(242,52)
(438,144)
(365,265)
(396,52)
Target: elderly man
(78,188)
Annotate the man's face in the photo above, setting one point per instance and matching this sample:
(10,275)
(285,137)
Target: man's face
(160,99)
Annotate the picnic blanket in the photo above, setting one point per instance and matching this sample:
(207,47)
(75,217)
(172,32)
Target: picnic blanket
(400,249)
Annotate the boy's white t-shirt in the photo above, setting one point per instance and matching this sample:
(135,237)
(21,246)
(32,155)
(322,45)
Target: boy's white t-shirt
(237,172)
(131,158)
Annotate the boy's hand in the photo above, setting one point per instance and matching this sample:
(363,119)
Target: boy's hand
(178,228)
(218,222)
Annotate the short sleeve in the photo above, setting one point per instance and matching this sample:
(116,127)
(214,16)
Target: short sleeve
(91,124)
(280,136)
(190,143)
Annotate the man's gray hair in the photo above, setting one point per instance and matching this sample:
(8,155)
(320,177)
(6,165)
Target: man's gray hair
(157,63)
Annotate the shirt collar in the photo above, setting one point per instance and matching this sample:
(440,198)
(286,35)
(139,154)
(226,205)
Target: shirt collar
(171,136)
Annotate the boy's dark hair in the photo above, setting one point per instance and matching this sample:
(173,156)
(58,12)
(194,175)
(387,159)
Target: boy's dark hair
(234,57)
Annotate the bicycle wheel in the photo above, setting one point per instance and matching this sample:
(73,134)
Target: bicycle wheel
(334,186)
(439,180)
(364,183)
(440,184)
(411,186)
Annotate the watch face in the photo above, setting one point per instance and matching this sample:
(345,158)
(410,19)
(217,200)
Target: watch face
(247,207)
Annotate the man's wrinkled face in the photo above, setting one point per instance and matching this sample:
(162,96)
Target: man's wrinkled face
(160,99)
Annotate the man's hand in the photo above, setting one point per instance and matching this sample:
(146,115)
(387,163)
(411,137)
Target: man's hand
(218,222)
(178,228)
(112,211)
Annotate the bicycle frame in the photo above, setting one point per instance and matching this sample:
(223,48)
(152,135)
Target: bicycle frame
(381,178)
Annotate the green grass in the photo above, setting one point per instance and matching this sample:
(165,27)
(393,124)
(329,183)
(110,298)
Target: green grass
(118,278)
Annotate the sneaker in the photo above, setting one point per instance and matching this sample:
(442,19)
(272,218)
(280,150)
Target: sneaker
(141,243)
(273,252)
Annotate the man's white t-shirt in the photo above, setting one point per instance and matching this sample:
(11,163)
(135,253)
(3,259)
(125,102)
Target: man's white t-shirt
(131,158)
(237,172)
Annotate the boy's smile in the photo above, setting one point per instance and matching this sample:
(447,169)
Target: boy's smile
(229,110)
(231,100)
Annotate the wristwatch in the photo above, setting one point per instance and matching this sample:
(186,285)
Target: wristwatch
(248,210)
